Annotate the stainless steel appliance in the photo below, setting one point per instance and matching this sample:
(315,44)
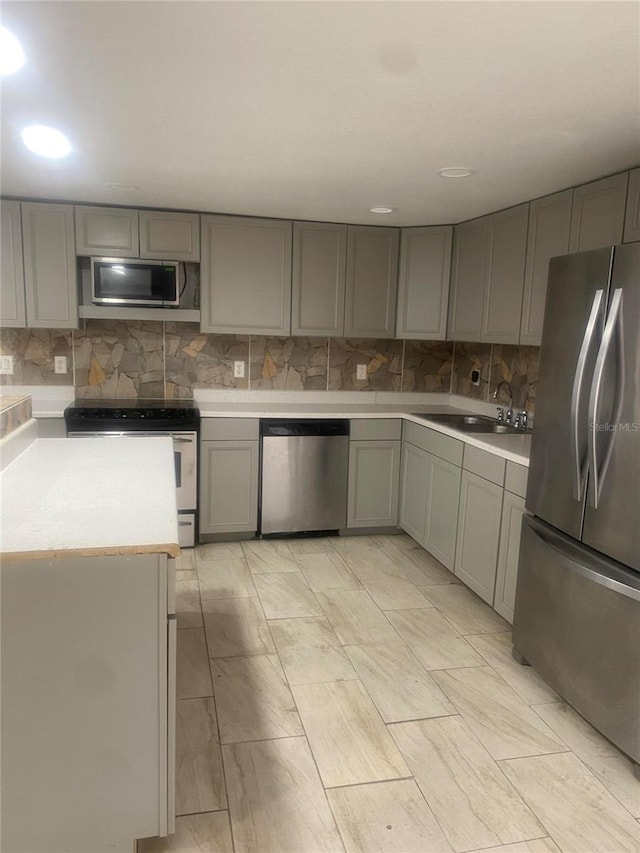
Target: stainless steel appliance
(304,474)
(127,281)
(577,612)
(178,419)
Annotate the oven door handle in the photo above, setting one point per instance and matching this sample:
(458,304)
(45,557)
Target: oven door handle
(179,440)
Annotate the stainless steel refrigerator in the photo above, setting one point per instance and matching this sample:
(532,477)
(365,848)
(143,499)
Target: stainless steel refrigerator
(577,612)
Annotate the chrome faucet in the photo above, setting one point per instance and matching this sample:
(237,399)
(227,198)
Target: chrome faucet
(495,397)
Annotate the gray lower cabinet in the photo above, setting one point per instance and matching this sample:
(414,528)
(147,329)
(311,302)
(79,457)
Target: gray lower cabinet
(597,217)
(49,265)
(107,231)
(169,236)
(429,500)
(228,487)
(507,573)
(12,304)
(549,227)
(318,278)
(245,275)
(632,215)
(414,483)
(423,283)
(374,470)
(478,534)
(372,281)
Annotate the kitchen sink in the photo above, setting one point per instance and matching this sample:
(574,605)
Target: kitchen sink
(471,423)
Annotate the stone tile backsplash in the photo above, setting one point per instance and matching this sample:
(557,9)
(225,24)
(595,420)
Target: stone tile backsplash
(288,364)
(383,360)
(33,351)
(155,359)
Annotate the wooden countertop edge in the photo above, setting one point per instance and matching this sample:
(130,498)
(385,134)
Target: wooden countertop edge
(171,549)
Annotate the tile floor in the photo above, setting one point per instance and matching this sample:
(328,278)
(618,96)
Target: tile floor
(347,694)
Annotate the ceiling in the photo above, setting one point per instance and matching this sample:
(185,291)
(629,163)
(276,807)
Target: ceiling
(321,110)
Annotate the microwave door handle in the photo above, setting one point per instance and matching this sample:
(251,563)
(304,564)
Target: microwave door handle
(579,468)
(598,473)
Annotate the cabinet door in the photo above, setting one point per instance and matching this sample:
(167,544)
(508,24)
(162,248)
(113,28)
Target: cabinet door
(597,217)
(167,236)
(632,215)
(228,486)
(49,266)
(504,283)
(372,282)
(423,283)
(443,499)
(318,278)
(12,306)
(507,575)
(414,481)
(107,231)
(478,534)
(245,276)
(549,226)
(374,469)
(468,272)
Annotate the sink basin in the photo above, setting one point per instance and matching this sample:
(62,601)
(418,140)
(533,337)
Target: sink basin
(472,423)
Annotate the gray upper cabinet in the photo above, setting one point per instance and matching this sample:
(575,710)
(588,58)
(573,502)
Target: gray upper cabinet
(423,283)
(372,281)
(169,236)
(245,276)
(107,231)
(597,217)
(12,306)
(549,226)
(49,265)
(318,278)
(632,216)
(507,247)
(469,262)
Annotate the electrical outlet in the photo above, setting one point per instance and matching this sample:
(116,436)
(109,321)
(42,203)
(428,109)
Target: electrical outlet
(475,377)
(60,363)
(6,364)
(238,369)
(361,371)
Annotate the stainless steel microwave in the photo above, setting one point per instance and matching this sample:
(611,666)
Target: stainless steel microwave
(126,281)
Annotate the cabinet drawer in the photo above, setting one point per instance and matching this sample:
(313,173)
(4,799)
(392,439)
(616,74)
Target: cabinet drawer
(229,429)
(434,442)
(376,429)
(484,464)
(516,479)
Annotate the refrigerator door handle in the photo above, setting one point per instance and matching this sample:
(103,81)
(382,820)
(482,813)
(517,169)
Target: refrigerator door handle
(598,473)
(580,469)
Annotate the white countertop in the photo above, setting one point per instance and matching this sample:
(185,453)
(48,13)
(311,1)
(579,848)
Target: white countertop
(89,496)
(513,447)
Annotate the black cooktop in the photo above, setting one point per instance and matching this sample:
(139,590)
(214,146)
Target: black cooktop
(86,415)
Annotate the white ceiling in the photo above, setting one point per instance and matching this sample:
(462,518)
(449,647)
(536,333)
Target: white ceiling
(320,110)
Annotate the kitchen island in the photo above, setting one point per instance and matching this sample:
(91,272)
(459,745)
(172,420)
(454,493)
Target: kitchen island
(88,533)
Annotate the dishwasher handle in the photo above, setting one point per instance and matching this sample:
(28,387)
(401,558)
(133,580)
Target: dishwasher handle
(289,427)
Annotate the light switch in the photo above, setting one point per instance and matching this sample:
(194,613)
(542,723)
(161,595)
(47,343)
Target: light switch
(60,363)
(6,364)
(238,369)
(361,371)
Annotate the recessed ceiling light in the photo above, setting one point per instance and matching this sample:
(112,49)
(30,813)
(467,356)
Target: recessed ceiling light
(454,172)
(125,188)
(46,141)
(11,52)
(381,210)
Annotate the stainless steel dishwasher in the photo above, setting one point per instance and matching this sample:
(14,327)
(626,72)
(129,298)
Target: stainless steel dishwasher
(304,473)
